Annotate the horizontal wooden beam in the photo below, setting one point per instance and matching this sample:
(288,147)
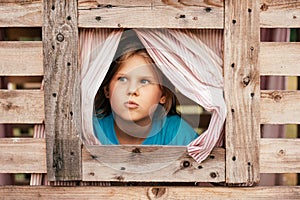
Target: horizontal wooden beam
(22,106)
(151,14)
(283,13)
(279,58)
(156,13)
(22,155)
(28,155)
(15,13)
(21,59)
(212,193)
(25,58)
(154,163)
(280,107)
(280,155)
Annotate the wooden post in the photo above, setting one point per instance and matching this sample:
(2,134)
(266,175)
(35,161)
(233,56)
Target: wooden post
(242,91)
(62,90)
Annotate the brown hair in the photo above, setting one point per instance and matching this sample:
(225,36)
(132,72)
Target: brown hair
(127,49)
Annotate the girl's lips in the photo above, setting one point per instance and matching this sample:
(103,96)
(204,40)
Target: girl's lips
(131,104)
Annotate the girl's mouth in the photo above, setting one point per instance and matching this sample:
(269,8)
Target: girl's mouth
(131,104)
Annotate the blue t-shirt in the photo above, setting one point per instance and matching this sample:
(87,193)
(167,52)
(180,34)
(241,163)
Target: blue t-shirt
(171,130)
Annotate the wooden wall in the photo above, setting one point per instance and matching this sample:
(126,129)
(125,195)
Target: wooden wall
(246,59)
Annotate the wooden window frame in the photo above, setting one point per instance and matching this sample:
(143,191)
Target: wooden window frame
(68,160)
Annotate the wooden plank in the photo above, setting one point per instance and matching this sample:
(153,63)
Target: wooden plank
(274,13)
(22,155)
(62,90)
(21,59)
(242,91)
(16,13)
(19,155)
(22,106)
(280,155)
(152,163)
(280,13)
(171,192)
(280,58)
(151,14)
(280,107)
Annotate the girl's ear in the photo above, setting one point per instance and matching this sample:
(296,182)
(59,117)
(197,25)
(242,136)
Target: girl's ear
(163,100)
(106,91)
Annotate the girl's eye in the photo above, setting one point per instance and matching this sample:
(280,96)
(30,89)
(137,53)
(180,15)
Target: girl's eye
(145,81)
(122,79)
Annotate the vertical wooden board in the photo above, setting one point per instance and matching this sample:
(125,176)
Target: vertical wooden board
(62,90)
(242,92)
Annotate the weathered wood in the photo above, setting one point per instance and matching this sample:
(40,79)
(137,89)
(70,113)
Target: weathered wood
(280,155)
(22,155)
(280,13)
(21,106)
(62,90)
(191,193)
(280,107)
(242,91)
(274,13)
(21,59)
(280,58)
(156,164)
(277,156)
(151,14)
(16,13)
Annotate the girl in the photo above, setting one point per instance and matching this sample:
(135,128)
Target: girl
(134,104)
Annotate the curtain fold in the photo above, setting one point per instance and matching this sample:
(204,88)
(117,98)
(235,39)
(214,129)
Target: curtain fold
(196,71)
(97,49)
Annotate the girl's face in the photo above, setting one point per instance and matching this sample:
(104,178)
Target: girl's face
(134,91)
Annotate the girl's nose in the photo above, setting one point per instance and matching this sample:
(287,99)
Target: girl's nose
(133,89)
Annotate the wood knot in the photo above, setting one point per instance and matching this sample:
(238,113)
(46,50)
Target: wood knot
(213,175)
(208,9)
(264,7)
(281,153)
(158,192)
(119,178)
(246,80)
(60,37)
(136,150)
(8,106)
(92,174)
(276,96)
(186,163)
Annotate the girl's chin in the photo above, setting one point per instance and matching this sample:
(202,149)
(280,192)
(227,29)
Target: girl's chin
(137,120)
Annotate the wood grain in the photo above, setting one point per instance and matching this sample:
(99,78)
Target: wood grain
(280,155)
(16,13)
(280,58)
(280,13)
(205,14)
(242,91)
(22,155)
(21,59)
(153,163)
(22,106)
(191,193)
(151,14)
(62,90)
(280,107)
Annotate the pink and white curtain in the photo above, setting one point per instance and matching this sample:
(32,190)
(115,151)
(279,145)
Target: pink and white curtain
(192,60)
